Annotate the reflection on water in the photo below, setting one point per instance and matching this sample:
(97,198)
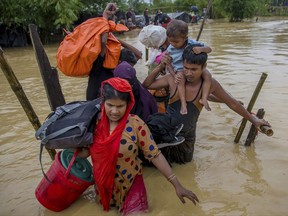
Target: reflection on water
(229,179)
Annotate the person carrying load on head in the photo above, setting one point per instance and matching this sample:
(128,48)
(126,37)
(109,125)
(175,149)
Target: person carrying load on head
(92,50)
(155,38)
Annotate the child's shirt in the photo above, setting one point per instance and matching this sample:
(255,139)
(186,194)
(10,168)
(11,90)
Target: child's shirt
(176,54)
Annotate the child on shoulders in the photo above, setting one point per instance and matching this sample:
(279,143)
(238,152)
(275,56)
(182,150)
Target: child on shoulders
(177,34)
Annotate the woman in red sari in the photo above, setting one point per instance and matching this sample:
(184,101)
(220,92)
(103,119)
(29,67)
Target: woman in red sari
(116,168)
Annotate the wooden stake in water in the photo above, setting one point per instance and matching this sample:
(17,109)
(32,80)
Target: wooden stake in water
(19,92)
(250,106)
(146,54)
(49,74)
(253,130)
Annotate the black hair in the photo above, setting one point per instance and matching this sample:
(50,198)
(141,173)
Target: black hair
(110,93)
(190,57)
(177,28)
(128,56)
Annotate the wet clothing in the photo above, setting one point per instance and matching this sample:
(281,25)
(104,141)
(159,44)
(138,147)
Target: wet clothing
(183,152)
(136,200)
(163,126)
(145,103)
(176,54)
(105,147)
(97,74)
(114,153)
(135,137)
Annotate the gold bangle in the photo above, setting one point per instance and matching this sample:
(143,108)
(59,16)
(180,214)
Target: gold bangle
(171,177)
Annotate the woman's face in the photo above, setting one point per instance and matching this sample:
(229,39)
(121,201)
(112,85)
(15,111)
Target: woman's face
(115,109)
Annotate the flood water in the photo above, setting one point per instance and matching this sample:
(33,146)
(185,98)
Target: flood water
(229,179)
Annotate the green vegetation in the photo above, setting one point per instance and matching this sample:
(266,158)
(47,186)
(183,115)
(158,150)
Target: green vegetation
(53,15)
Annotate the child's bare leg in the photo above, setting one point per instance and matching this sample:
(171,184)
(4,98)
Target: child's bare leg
(206,89)
(182,95)
(170,69)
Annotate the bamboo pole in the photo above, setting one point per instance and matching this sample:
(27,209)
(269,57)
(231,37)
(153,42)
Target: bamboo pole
(253,130)
(204,19)
(250,106)
(267,130)
(19,92)
(146,54)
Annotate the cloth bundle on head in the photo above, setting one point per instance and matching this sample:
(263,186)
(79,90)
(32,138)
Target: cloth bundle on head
(105,147)
(145,103)
(152,36)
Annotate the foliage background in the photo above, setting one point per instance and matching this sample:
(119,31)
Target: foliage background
(51,16)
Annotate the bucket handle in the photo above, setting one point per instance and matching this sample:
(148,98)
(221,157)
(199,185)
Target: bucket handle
(71,163)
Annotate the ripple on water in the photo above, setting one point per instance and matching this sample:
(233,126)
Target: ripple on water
(229,179)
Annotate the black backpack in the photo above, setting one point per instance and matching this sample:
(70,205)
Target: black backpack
(69,126)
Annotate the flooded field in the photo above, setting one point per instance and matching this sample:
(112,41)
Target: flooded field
(229,179)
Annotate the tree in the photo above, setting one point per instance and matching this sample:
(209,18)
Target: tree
(48,15)
(138,6)
(237,10)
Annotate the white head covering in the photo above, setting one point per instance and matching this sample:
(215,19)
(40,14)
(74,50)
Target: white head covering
(152,36)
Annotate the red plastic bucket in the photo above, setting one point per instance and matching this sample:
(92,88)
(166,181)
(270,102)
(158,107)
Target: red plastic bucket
(64,187)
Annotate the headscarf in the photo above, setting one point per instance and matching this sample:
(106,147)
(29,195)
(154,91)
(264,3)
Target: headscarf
(105,147)
(152,36)
(145,103)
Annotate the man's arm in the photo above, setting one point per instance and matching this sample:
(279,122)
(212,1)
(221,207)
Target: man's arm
(109,10)
(218,91)
(104,38)
(136,52)
(151,81)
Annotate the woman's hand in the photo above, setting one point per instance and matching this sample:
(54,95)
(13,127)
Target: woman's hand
(83,152)
(183,192)
(161,163)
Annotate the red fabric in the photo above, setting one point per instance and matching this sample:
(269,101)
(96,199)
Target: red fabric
(136,199)
(105,147)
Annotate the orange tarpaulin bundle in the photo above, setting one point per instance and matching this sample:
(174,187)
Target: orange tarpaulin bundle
(79,49)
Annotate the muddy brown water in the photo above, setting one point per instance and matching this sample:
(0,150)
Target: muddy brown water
(229,179)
